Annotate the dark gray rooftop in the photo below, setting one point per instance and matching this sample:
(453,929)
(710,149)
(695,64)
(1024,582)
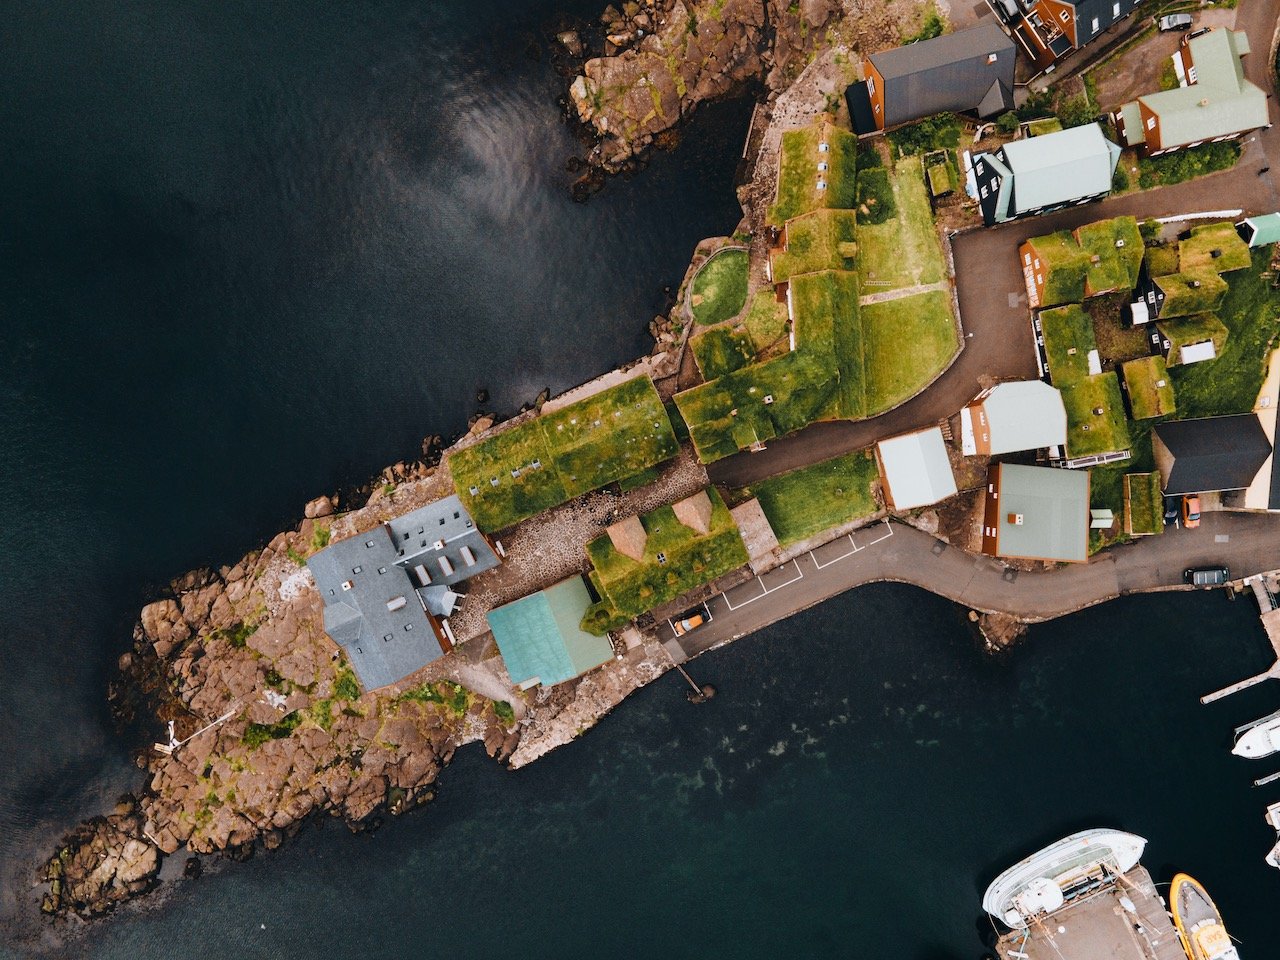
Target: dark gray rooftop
(379,585)
(968,70)
(1213,453)
(1103,13)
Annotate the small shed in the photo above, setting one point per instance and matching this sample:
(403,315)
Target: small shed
(915,469)
(1260,231)
(541,637)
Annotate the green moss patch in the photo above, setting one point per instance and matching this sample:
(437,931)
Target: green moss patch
(1143,504)
(821,240)
(719,290)
(804,502)
(1216,247)
(721,350)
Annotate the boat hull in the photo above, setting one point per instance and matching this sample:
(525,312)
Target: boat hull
(1198,922)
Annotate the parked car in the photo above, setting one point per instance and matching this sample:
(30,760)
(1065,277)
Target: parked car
(691,620)
(1206,576)
(1172,511)
(1191,512)
(1174,21)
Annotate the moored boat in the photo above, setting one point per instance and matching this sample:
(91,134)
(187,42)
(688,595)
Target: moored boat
(1258,739)
(1067,870)
(1198,922)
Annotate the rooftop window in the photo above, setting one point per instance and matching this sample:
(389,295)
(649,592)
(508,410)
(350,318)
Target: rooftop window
(356,569)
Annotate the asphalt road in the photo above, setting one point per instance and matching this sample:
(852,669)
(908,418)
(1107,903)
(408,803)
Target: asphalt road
(1245,542)
(992,296)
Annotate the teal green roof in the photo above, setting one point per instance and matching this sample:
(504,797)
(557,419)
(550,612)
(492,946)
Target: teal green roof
(541,639)
(1263,230)
(1220,103)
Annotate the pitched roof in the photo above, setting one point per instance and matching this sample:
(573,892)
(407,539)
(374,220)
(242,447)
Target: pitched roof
(1212,453)
(540,636)
(916,469)
(694,512)
(1058,167)
(1262,230)
(628,537)
(967,70)
(1025,415)
(1220,103)
(1052,506)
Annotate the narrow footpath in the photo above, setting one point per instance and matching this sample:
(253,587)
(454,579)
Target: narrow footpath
(1245,542)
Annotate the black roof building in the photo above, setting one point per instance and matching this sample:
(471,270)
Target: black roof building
(1210,454)
(968,70)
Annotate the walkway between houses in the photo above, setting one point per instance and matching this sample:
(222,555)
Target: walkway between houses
(943,286)
(896,552)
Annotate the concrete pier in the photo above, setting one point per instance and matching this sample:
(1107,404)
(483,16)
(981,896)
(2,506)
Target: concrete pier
(1125,921)
(1266,590)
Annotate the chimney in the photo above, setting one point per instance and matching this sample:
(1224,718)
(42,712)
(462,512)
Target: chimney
(1015,519)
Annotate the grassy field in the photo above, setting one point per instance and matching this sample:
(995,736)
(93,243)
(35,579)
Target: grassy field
(798,173)
(821,240)
(807,501)
(903,251)
(766,320)
(907,342)
(1149,387)
(676,559)
(602,439)
(875,196)
(721,350)
(1230,383)
(1144,513)
(720,288)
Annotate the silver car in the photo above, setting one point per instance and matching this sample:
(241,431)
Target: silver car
(1174,21)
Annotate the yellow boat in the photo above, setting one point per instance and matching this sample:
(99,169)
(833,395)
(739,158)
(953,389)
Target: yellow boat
(1198,921)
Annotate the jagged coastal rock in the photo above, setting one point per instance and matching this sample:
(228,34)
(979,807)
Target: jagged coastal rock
(664,57)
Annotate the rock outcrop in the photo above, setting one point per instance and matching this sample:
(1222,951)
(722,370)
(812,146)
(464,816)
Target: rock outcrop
(664,57)
(105,861)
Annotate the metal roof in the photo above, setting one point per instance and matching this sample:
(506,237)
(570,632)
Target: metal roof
(1025,415)
(378,587)
(968,70)
(1053,507)
(1220,103)
(916,469)
(1060,167)
(1212,453)
(541,639)
(1103,12)
(1262,230)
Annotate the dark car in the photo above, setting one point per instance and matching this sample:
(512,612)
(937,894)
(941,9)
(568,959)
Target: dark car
(1206,576)
(1172,511)
(1175,21)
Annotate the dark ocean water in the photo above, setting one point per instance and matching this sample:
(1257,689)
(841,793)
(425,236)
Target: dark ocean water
(250,253)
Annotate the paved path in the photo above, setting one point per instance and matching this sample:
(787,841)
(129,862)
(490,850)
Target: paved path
(993,299)
(943,286)
(893,551)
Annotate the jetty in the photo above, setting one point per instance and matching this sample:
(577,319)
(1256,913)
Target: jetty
(1266,589)
(1125,920)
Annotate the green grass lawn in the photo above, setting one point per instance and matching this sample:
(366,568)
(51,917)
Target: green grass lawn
(1144,503)
(798,171)
(801,503)
(1230,383)
(766,320)
(821,240)
(875,196)
(676,559)
(1150,388)
(903,251)
(721,350)
(720,288)
(540,464)
(907,342)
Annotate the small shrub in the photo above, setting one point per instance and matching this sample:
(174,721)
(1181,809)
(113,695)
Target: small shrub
(1119,180)
(346,687)
(930,27)
(423,693)
(319,539)
(504,712)
(259,733)
(1076,112)
(1007,123)
(296,557)
(868,157)
(875,196)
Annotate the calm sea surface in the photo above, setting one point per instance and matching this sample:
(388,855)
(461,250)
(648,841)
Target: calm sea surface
(254,252)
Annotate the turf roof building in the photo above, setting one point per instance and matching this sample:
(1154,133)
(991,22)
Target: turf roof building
(915,469)
(1210,454)
(541,638)
(1070,267)
(388,591)
(1048,30)
(1041,174)
(1015,416)
(968,70)
(1213,101)
(1036,513)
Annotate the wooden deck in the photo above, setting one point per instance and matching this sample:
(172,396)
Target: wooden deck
(1126,921)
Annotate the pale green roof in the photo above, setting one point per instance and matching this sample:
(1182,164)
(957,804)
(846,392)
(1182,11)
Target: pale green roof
(1263,230)
(1220,103)
(541,639)
(1053,506)
(1131,118)
(1057,168)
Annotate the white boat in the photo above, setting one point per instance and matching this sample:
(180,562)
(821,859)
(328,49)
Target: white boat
(1258,739)
(1273,818)
(1074,867)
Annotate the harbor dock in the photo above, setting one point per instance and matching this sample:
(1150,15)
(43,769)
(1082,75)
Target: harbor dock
(1122,921)
(1266,589)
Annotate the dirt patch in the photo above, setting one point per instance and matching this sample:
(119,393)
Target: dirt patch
(1117,340)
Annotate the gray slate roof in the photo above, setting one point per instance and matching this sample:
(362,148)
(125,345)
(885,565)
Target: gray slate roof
(1104,11)
(1213,453)
(951,72)
(375,597)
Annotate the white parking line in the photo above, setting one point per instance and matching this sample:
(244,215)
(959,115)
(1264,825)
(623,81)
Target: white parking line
(813,554)
(765,589)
